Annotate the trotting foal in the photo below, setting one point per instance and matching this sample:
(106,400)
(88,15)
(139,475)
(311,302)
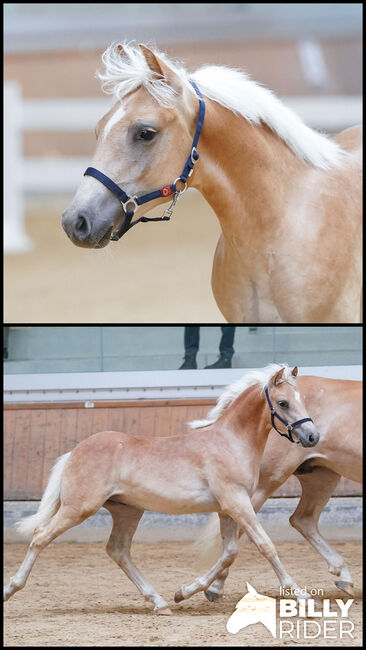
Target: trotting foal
(211,470)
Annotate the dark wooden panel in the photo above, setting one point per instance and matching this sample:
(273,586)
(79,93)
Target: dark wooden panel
(132,421)
(99,420)
(68,435)
(179,419)
(163,418)
(147,420)
(116,420)
(51,443)
(9,444)
(20,458)
(84,426)
(35,435)
(36,453)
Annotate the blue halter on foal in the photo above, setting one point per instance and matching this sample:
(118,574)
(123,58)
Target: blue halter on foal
(135,201)
(288,426)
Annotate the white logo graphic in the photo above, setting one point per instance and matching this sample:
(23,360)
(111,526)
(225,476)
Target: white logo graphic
(253,608)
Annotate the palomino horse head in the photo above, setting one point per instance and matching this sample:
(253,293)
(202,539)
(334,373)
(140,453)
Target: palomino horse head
(142,143)
(287,405)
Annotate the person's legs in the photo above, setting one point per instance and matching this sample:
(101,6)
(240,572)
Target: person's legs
(191,345)
(226,348)
(5,342)
(227,341)
(191,340)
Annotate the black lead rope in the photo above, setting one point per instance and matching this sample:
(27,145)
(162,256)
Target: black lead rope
(288,426)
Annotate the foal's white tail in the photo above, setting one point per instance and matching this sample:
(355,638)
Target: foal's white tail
(208,544)
(49,502)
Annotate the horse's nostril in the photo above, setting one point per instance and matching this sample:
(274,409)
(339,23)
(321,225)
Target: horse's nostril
(81,227)
(311,438)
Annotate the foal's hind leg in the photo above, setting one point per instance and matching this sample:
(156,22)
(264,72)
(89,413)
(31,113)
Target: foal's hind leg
(229,533)
(65,518)
(317,488)
(125,522)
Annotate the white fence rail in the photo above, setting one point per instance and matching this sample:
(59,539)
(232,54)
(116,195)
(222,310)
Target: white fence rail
(50,174)
(15,237)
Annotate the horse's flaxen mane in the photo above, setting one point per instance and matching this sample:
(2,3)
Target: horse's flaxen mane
(233,391)
(231,88)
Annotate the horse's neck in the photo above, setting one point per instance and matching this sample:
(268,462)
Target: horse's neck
(245,173)
(248,420)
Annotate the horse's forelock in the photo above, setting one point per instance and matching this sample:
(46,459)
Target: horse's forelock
(125,69)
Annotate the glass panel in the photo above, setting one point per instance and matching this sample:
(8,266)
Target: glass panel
(318,346)
(37,349)
(52,349)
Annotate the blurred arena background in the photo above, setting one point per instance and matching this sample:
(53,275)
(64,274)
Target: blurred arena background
(308,54)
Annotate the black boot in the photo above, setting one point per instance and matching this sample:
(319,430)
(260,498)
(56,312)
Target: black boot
(189,363)
(222,362)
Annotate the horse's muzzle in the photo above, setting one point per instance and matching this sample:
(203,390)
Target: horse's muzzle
(79,229)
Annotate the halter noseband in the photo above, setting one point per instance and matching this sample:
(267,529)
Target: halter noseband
(135,201)
(288,426)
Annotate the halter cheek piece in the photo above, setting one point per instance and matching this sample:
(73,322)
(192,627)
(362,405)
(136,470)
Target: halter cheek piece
(288,426)
(131,203)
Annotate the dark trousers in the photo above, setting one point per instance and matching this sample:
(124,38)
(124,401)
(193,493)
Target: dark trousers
(192,340)
(5,341)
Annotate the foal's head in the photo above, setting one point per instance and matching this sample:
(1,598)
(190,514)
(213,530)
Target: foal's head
(288,403)
(142,142)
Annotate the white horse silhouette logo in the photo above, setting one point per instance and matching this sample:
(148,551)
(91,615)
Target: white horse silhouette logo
(253,608)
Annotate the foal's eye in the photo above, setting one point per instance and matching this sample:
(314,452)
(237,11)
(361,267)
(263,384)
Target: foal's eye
(146,135)
(282,403)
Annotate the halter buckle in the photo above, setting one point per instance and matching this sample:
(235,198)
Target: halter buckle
(132,200)
(184,188)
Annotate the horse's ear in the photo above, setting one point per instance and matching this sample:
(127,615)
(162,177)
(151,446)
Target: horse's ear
(121,50)
(151,59)
(294,371)
(160,67)
(278,376)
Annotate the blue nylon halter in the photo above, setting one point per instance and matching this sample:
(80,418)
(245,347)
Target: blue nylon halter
(136,201)
(288,426)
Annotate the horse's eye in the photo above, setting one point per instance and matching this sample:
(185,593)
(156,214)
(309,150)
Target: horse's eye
(146,134)
(282,403)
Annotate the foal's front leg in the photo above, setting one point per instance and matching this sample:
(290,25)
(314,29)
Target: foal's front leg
(237,502)
(229,533)
(216,590)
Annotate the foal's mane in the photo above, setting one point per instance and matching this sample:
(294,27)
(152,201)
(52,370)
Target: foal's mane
(233,391)
(231,88)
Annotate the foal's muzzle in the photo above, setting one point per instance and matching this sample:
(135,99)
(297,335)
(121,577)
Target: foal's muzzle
(307,434)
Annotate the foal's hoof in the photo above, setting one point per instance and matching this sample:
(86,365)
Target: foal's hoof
(212,595)
(178,596)
(345,586)
(164,611)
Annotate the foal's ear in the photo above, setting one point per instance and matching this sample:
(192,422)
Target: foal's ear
(278,376)
(121,50)
(294,371)
(160,67)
